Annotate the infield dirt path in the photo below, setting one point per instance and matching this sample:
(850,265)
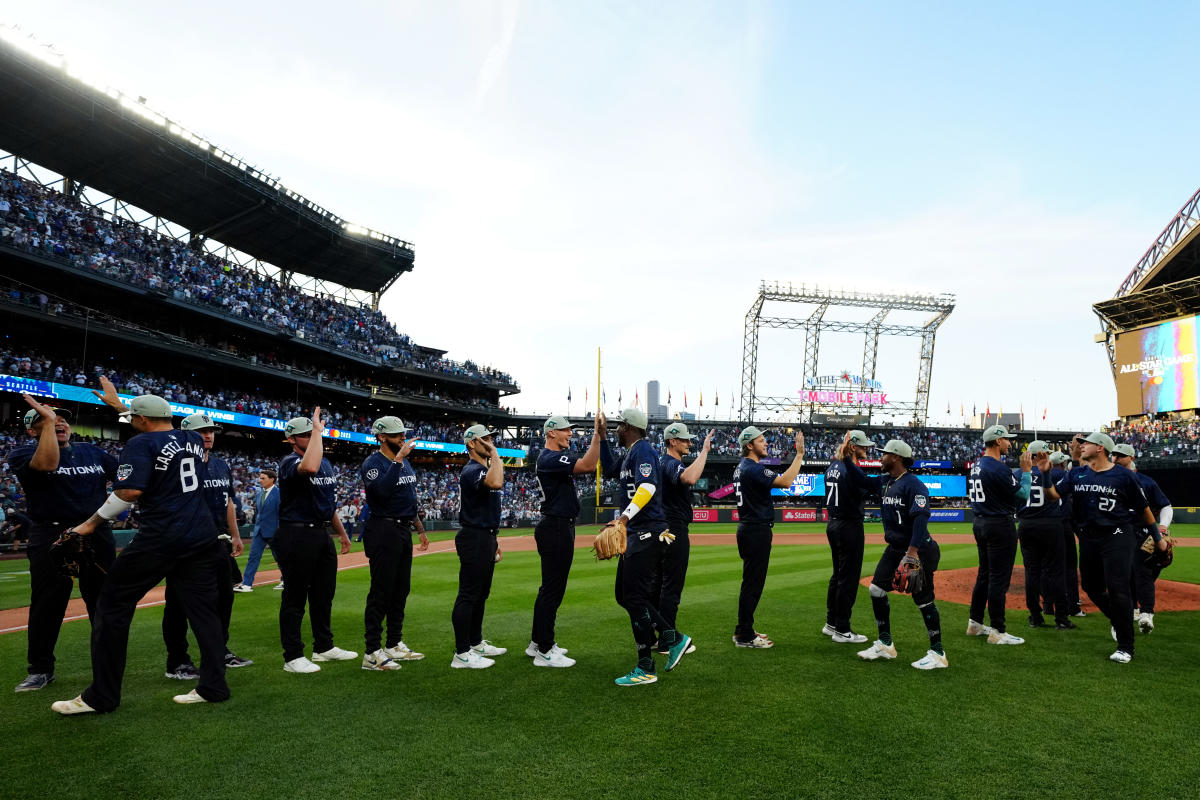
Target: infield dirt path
(952,585)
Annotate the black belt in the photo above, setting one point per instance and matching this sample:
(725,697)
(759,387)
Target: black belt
(492,531)
(394,519)
(306,524)
(556,516)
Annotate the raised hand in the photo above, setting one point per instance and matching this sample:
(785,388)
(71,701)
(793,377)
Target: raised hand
(318,426)
(44,411)
(109,396)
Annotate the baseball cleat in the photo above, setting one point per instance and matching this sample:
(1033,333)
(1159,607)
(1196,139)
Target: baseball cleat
(335,654)
(878,651)
(1146,622)
(400,652)
(1079,613)
(69,707)
(828,630)
(636,677)
(191,697)
(1121,657)
(532,650)
(996,637)
(849,637)
(233,662)
(932,660)
(38,680)
(486,648)
(184,672)
(759,642)
(470,660)
(1065,625)
(241,587)
(300,665)
(978,629)
(681,647)
(279,586)
(379,661)
(553,659)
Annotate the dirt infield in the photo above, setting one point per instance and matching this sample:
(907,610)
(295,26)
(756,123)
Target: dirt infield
(952,585)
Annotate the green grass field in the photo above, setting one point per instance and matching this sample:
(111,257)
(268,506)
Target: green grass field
(805,719)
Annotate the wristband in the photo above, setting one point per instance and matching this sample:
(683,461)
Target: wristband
(113,507)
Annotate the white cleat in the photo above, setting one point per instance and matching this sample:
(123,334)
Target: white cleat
(335,654)
(300,665)
(379,661)
(486,648)
(1146,622)
(878,651)
(996,637)
(828,630)
(470,660)
(191,697)
(978,629)
(850,637)
(932,660)
(532,650)
(1121,657)
(241,587)
(69,707)
(552,659)
(400,652)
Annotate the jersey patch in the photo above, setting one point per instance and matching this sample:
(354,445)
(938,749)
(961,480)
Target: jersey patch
(645,470)
(124,471)
(920,500)
(372,474)
(769,474)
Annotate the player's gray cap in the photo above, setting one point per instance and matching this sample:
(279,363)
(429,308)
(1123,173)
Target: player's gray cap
(557,423)
(897,447)
(1038,446)
(1059,457)
(633,417)
(198,422)
(32,416)
(1123,450)
(748,435)
(388,425)
(995,432)
(1102,439)
(477,432)
(297,426)
(150,405)
(861,439)
(677,430)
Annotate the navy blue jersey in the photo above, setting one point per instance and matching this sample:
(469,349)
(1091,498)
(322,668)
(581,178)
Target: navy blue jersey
(218,487)
(992,488)
(752,482)
(1100,501)
(391,486)
(905,512)
(479,506)
(639,466)
(846,489)
(1154,495)
(677,497)
(71,493)
(169,468)
(555,472)
(1037,505)
(305,498)
(1056,475)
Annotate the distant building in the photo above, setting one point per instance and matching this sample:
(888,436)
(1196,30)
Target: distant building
(654,409)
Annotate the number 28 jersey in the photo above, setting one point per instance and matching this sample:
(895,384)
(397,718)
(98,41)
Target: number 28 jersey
(168,467)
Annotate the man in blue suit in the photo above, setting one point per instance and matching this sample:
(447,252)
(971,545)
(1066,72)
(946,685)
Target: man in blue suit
(266,521)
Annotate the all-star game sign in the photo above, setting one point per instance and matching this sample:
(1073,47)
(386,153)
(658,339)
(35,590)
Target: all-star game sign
(843,390)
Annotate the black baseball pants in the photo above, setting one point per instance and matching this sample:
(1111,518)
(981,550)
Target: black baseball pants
(670,572)
(1105,567)
(1042,551)
(174,621)
(50,591)
(846,543)
(476,548)
(193,569)
(1070,566)
(996,542)
(754,548)
(555,538)
(634,584)
(1144,576)
(308,563)
(388,545)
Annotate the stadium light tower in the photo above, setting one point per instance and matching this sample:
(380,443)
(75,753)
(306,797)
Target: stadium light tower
(861,398)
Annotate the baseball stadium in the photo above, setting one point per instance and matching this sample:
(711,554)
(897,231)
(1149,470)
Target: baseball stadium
(146,267)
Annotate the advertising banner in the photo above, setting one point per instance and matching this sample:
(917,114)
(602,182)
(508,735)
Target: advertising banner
(1158,368)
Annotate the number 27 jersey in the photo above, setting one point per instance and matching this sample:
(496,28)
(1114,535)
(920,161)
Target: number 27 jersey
(168,467)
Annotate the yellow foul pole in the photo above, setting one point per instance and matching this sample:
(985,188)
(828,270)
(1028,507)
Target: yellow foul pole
(598,410)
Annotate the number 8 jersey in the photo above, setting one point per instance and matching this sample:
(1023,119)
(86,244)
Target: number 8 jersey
(168,467)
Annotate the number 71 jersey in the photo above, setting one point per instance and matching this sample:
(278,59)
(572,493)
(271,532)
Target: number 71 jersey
(168,467)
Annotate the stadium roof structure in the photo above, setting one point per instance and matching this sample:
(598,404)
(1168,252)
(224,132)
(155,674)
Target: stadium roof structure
(96,136)
(1174,254)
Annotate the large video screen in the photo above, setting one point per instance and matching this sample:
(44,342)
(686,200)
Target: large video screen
(1158,368)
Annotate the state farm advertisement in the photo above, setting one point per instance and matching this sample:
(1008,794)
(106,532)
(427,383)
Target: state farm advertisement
(803,515)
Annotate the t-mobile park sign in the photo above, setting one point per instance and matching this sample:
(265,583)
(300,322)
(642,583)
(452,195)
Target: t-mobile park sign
(843,390)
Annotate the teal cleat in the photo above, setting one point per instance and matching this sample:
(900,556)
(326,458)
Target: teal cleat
(637,677)
(681,646)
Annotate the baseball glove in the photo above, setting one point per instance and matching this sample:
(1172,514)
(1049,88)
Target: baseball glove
(610,541)
(1158,558)
(909,577)
(71,553)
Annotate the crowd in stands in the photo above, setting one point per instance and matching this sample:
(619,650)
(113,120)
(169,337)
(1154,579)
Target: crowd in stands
(48,223)
(1157,438)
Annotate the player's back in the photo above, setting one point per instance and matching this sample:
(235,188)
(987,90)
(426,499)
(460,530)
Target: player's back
(168,467)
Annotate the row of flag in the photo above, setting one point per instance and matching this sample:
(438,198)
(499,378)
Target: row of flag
(962,410)
(637,399)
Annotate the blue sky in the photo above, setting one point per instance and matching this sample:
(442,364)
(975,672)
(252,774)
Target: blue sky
(623,175)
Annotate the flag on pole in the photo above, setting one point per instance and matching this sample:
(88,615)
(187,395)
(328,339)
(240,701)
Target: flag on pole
(619,396)
(1043,413)
(716,397)
(987,410)
(585,396)
(604,396)
(702,398)
(668,395)
(947,408)
(962,411)
(685,398)
(637,399)
(568,394)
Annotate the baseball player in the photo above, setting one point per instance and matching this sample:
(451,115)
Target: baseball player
(1144,575)
(756,516)
(646,525)
(555,469)
(1108,506)
(846,490)
(995,492)
(1040,536)
(677,481)
(303,547)
(1060,462)
(64,482)
(218,490)
(163,470)
(478,549)
(391,488)
(905,511)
